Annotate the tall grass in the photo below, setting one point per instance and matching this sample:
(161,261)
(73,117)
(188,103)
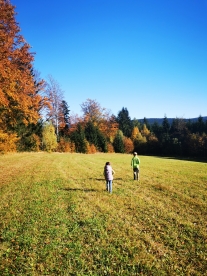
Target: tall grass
(57,219)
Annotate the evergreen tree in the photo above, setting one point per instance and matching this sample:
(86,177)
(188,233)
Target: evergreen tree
(29,136)
(157,130)
(200,125)
(165,137)
(176,133)
(101,141)
(91,133)
(165,125)
(64,118)
(146,123)
(125,123)
(95,137)
(79,139)
(118,143)
(136,123)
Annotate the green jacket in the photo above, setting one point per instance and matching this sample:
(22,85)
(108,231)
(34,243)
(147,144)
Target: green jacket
(135,162)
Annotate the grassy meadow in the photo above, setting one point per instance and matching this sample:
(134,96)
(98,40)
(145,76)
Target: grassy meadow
(57,219)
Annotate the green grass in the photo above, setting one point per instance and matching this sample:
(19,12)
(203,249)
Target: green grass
(57,219)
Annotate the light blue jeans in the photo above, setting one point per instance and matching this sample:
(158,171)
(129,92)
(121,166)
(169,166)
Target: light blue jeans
(109,186)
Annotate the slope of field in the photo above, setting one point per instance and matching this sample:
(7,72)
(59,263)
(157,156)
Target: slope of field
(57,219)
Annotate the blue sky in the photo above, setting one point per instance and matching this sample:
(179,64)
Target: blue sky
(149,56)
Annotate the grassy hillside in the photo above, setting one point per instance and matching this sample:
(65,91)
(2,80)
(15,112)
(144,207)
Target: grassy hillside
(57,219)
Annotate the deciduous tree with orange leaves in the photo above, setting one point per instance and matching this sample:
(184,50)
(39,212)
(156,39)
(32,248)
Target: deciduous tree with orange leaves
(19,100)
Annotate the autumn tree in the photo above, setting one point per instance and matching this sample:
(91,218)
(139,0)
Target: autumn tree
(128,145)
(7,142)
(110,147)
(65,145)
(109,127)
(49,138)
(145,131)
(58,107)
(135,133)
(30,134)
(19,102)
(92,111)
(140,144)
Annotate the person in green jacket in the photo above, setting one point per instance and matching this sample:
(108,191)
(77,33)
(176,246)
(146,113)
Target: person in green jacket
(135,166)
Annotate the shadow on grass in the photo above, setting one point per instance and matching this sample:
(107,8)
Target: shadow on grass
(79,189)
(88,189)
(102,179)
(192,159)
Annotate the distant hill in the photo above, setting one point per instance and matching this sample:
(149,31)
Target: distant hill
(160,120)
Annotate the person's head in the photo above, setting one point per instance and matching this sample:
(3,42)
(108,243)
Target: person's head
(108,163)
(135,153)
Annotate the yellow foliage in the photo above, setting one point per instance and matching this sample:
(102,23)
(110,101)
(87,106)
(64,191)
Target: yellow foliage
(135,133)
(36,142)
(49,137)
(140,139)
(7,142)
(145,131)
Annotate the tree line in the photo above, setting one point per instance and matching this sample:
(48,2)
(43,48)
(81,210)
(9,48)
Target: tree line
(34,115)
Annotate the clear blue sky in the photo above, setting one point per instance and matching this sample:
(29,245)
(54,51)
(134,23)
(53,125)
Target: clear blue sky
(149,56)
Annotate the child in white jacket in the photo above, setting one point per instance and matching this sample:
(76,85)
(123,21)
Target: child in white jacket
(108,174)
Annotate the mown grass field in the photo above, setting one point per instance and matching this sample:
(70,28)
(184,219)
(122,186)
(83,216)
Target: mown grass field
(57,219)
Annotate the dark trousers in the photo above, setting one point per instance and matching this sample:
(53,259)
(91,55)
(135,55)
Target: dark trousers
(136,173)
